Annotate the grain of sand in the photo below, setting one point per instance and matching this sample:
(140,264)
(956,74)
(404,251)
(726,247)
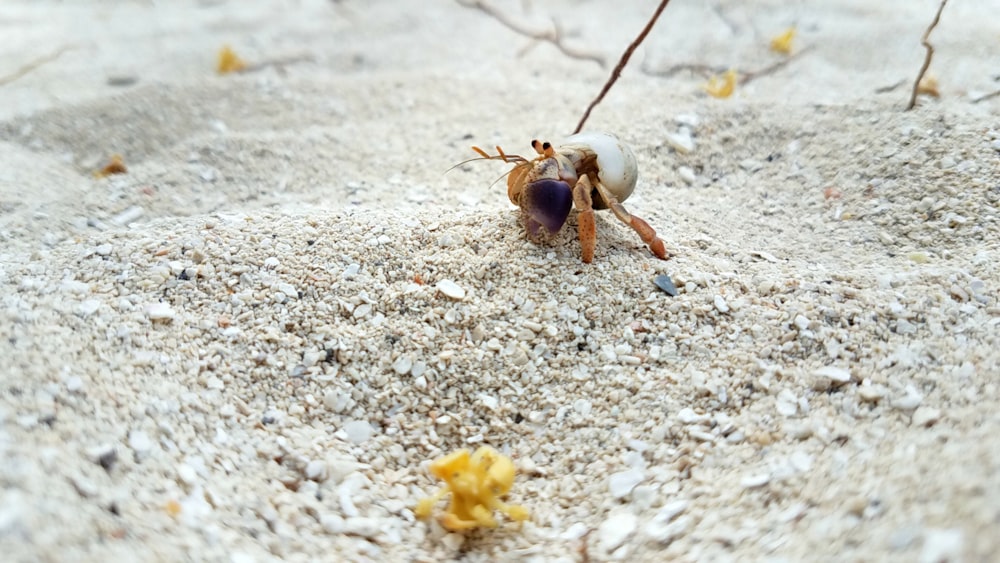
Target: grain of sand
(239,351)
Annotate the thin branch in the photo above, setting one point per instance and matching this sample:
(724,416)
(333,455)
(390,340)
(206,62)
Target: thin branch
(985,97)
(708,70)
(890,87)
(4,80)
(621,63)
(279,63)
(553,36)
(927,58)
(703,69)
(771,69)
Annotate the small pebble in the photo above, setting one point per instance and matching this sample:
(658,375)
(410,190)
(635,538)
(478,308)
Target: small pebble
(453,541)
(835,374)
(129,215)
(615,530)
(681,141)
(871,393)
(74,384)
(687,174)
(721,305)
(621,484)
(451,289)
(942,545)
(316,470)
(88,307)
(358,431)
(666,284)
(187,474)
(402,365)
(908,401)
(755,481)
(139,442)
(160,312)
(925,416)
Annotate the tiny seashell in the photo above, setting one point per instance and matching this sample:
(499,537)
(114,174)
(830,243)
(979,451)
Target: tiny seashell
(664,282)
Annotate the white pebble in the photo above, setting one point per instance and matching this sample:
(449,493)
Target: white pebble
(835,374)
(139,441)
(681,141)
(331,523)
(787,404)
(871,393)
(615,530)
(489,401)
(909,401)
(582,407)
(88,307)
(755,481)
(402,365)
(129,215)
(662,530)
(358,431)
(453,541)
(721,305)
(687,174)
(160,312)
(363,526)
(451,289)
(187,474)
(316,470)
(942,545)
(351,270)
(801,461)
(621,484)
(688,416)
(74,384)
(925,416)
(288,289)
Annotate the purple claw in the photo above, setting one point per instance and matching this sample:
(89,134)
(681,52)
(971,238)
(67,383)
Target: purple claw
(547,204)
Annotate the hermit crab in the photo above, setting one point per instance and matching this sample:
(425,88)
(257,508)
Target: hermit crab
(590,171)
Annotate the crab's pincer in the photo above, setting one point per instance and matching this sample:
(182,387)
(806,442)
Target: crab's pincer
(547,204)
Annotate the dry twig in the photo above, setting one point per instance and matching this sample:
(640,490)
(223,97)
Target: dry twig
(553,36)
(33,65)
(621,63)
(708,70)
(771,69)
(927,58)
(985,97)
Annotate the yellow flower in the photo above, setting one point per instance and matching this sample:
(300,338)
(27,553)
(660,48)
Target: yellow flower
(476,483)
(783,43)
(229,61)
(722,86)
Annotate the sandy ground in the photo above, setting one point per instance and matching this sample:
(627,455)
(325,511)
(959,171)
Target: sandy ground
(238,350)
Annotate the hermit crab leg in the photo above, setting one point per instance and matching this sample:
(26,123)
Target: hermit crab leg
(586,226)
(640,226)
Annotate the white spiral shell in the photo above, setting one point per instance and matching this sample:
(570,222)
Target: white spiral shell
(616,164)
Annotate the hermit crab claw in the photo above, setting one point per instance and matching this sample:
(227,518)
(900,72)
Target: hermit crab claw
(547,203)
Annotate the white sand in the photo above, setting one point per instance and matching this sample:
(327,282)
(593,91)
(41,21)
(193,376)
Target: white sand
(279,222)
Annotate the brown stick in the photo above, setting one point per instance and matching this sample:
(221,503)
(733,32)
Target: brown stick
(985,97)
(927,58)
(621,64)
(33,65)
(771,69)
(745,77)
(555,36)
